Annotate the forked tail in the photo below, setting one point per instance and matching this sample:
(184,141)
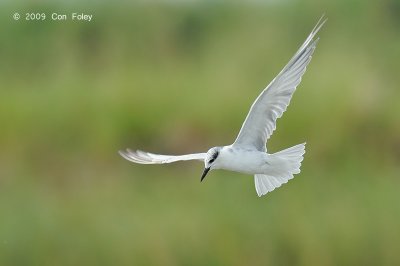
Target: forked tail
(283,165)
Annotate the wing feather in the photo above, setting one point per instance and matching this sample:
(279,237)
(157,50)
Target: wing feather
(143,157)
(270,105)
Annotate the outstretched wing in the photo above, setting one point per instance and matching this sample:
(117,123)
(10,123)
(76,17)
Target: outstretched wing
(274,99)
(151,158)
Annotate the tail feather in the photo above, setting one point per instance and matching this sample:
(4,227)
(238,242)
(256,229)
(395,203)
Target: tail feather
(284,164)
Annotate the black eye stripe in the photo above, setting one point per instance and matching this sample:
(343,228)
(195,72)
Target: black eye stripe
(214,156)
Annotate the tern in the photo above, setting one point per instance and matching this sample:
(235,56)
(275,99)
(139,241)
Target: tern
(248,154)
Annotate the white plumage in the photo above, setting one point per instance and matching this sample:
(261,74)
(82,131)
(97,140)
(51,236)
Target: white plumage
(248,154)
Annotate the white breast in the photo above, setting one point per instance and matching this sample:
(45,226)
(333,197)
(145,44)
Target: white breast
(240,160)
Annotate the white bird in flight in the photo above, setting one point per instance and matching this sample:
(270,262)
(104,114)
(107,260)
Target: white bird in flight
(248,154)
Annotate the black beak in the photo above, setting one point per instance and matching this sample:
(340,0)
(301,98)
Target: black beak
(204,173)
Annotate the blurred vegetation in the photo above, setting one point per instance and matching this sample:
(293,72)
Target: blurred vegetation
(175,77)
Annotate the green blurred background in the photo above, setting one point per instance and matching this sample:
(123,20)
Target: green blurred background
(177,77)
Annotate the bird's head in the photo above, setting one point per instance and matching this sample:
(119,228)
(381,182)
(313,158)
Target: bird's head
(209,161)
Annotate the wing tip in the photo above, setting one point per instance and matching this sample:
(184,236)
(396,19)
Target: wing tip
(134,156)
(124,154)
(322,20)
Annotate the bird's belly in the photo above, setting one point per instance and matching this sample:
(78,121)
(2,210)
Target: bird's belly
(248,162)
